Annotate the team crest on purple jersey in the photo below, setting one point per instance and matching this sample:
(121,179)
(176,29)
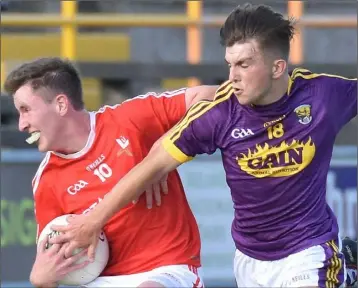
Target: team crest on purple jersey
(303,113)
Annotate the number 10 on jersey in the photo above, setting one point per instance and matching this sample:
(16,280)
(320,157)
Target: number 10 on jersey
(103,172)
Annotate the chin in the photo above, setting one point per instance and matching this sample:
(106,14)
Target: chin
(43,147)
(244,101)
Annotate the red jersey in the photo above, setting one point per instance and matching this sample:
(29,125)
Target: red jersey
(140,239)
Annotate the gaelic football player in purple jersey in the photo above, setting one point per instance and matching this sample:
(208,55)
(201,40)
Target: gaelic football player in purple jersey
(276,131)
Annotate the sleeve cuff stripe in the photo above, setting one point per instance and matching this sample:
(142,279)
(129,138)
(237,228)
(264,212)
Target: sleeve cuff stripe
(174,151)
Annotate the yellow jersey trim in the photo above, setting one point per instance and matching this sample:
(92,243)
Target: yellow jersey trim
(307,74)
(175,152)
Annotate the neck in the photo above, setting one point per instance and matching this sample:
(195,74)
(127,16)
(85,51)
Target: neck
(76,132)
(276,92)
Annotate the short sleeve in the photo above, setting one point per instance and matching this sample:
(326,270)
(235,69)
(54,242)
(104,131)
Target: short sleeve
(46,205)
(152,114)
(198,132)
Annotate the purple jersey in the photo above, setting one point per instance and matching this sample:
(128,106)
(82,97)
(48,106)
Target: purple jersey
(276,159)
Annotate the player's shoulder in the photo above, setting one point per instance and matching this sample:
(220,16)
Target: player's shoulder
(222,102)
(223,95)
(154,101)
(214,111)
(107,111)
(216,108)
(305,74)
(134,105)
(118,114)
(301,77)
(224,91)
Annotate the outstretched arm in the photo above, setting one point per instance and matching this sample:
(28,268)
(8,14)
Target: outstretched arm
(157,164)
(83,230)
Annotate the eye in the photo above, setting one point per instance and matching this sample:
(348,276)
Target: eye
(244,66)
(24,109)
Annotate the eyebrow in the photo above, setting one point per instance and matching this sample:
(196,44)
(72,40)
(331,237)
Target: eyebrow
(22,106)
(241,60)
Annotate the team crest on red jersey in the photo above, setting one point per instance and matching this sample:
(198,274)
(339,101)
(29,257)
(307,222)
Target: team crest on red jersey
(123,142)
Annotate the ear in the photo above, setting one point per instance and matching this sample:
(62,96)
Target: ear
(62,104)
(279,67)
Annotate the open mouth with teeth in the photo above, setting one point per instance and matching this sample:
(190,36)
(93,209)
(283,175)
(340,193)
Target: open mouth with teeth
(35,136)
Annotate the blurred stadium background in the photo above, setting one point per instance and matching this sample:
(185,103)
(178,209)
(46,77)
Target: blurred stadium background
(124,48)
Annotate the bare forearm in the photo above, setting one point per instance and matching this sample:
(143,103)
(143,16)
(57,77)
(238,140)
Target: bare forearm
(158,143)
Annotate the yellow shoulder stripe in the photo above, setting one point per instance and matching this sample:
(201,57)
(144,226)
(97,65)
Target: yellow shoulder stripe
(223,93)
(222,87)
(307,74)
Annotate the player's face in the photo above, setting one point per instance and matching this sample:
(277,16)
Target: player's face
(38,115)
(250,75)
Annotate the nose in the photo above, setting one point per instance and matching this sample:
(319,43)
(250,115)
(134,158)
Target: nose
(23,124)
(234,75)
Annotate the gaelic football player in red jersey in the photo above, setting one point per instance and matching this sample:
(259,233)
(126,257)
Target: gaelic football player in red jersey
(87,154)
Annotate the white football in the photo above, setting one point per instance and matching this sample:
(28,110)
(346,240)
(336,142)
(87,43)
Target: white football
(91,271)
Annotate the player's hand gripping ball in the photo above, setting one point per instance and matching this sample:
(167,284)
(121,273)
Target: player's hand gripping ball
(92,270)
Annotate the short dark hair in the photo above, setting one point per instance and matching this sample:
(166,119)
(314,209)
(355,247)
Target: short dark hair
(261,23)
(55,74)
